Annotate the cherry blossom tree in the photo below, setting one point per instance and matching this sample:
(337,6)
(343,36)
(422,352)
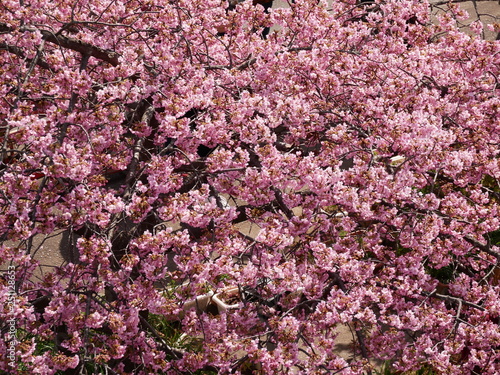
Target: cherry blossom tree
(360,139)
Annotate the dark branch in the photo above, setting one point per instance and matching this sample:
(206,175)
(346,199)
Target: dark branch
(19,52)
(486,248)
(82,47)
(86,49)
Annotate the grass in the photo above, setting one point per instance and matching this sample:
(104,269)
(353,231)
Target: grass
(387,369)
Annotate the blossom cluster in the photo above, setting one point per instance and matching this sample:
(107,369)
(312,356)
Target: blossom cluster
(360,141)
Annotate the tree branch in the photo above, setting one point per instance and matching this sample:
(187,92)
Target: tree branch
(485,248)
(453,1)
(82,47)
(74,44)
(460,301)
(18,52)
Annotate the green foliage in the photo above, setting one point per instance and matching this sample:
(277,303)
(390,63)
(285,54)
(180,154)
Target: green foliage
(222,277)
(90,367)
(491,183)
(41,346)
(426,370)
(343,234)
(495,237)
(400,250)
(387,369)
(171,332)
(443,274)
